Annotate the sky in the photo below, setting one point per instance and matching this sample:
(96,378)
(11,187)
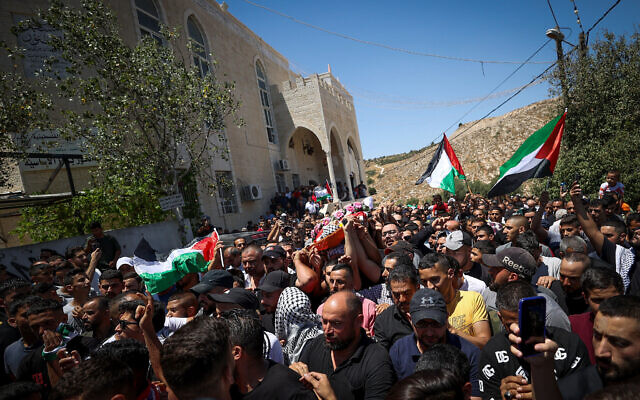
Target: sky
(403,101)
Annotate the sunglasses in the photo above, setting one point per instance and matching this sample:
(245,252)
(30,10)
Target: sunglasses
(123,324)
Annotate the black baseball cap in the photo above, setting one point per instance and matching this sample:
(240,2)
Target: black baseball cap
(214,278)
(428,304)
(514,259)
(274,252)
(275,280)
(242,297)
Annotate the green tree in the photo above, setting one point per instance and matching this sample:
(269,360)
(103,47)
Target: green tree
(143,114)
(603,123)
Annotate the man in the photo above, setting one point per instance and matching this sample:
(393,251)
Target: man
(213,282)
(485,233)
(8,334)
(512,228)
(603,239)
(341,279)
(132,282)
(28,342)
(393,323)
(106,243)
(345,353)
(253,266)
(240,243)
(514,264)
(458,245)
(598,284)
(274,283)
(615,231)
(194,372)
(232,257)
(468,316)
(111,283)
(255,377)
(428,313)
(390,234)
(616,344)
(501,370)
(128,324)
(97,319)
(44,317)
(41,272)
(273,259)
(182,305)
(78,286)
(572,267)
(125,265)
(379,293)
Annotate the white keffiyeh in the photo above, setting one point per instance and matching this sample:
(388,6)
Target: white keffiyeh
(295,322)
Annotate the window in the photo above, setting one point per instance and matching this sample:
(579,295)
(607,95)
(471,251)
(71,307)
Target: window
(199,47)
(149,19)
(226,192)
(295,178)
(280,185)
(266,104)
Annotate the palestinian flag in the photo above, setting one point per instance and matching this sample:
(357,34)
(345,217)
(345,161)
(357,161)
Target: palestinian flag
(161,275)
(322,193)
(442,168)
(535,158)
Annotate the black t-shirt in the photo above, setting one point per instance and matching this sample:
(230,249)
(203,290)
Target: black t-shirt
(368,373)
(577,385)
(279,383)
(267,322)
(481,272)
(8,335)
(497,361)
(390,326)
(34,368)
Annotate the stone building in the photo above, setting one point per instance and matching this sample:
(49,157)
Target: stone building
(298,130)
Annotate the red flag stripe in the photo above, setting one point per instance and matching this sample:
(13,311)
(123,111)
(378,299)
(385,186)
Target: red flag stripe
(452,156)
(551,147)
(207,245)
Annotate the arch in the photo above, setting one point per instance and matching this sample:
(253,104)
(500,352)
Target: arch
(149,16)
(306,156)
(287,138)
(265,101)
(199,44)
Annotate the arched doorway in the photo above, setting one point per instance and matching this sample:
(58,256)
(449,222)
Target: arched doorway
(307,161)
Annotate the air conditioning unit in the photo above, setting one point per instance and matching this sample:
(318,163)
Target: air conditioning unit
(252,192)
(283,165)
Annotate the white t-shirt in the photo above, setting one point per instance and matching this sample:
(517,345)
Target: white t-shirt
(473,284)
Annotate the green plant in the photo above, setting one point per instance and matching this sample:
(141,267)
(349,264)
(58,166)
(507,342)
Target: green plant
(372,191)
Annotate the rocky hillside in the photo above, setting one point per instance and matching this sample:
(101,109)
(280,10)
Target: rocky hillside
(481,150)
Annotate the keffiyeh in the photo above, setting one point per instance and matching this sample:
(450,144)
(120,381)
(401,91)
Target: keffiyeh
(295,322)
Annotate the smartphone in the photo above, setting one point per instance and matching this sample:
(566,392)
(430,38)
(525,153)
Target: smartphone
(577,177)
(532,313)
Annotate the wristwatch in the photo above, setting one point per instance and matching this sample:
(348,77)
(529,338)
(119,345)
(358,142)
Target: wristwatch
(508,395)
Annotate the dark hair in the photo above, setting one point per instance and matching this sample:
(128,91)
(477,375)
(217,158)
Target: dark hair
(189,298)
(445,356)
(129,351)
(485,228)
(246,331)
(42,288)
(509,295)
(621,306)
(443,261)
(485,246)
(130,275)
(431,384)
(37,267)
(44,305)
(400,257)
(609,199)
(55,257)
(527,241)
(19,390)
(343,267)
(233,250)
(619,391)
(633,217)
(600,278)
(130,306)
(71,251)
(12,285)
(570,219)
(403,273)
(195,357)
(68,277)
(578,257)
(253,247)
(99,378)
(618,225)
(95,225)
(21,301)
(111,274)
(596,203)
(63,265)
(103,302)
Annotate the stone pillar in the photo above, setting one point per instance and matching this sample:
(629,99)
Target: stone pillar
(347,176)
(332,176)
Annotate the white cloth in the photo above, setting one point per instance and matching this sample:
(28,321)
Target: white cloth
(473,284)
(553,265)
(368,201)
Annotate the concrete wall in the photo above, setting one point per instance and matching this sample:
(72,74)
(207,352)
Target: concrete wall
(163,237)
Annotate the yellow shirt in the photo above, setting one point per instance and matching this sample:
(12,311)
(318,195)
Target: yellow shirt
(466,309)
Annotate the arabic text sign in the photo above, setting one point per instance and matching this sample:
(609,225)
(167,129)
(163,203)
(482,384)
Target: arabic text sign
(170,202)
(50,142)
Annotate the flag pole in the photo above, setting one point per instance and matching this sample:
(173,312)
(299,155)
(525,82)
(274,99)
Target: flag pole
(220,249)
(468,187)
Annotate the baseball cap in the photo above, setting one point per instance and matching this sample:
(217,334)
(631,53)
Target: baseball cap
(457,239)
(242,297)
(428,304)
(214,278)
(124,261)
(275,280)
(274,252)
(514,259)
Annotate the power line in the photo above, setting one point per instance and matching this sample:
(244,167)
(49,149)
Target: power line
(601,18)
(552,13)
(388,47)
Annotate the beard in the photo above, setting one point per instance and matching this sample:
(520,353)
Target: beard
(495,286)
(339,344)
(611,373)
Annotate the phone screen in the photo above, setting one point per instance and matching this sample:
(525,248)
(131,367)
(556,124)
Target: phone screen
(532,318)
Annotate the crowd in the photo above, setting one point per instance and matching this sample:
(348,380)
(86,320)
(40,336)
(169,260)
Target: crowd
(391,302)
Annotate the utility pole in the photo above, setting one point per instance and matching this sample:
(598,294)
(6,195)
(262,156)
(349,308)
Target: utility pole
(558,36)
